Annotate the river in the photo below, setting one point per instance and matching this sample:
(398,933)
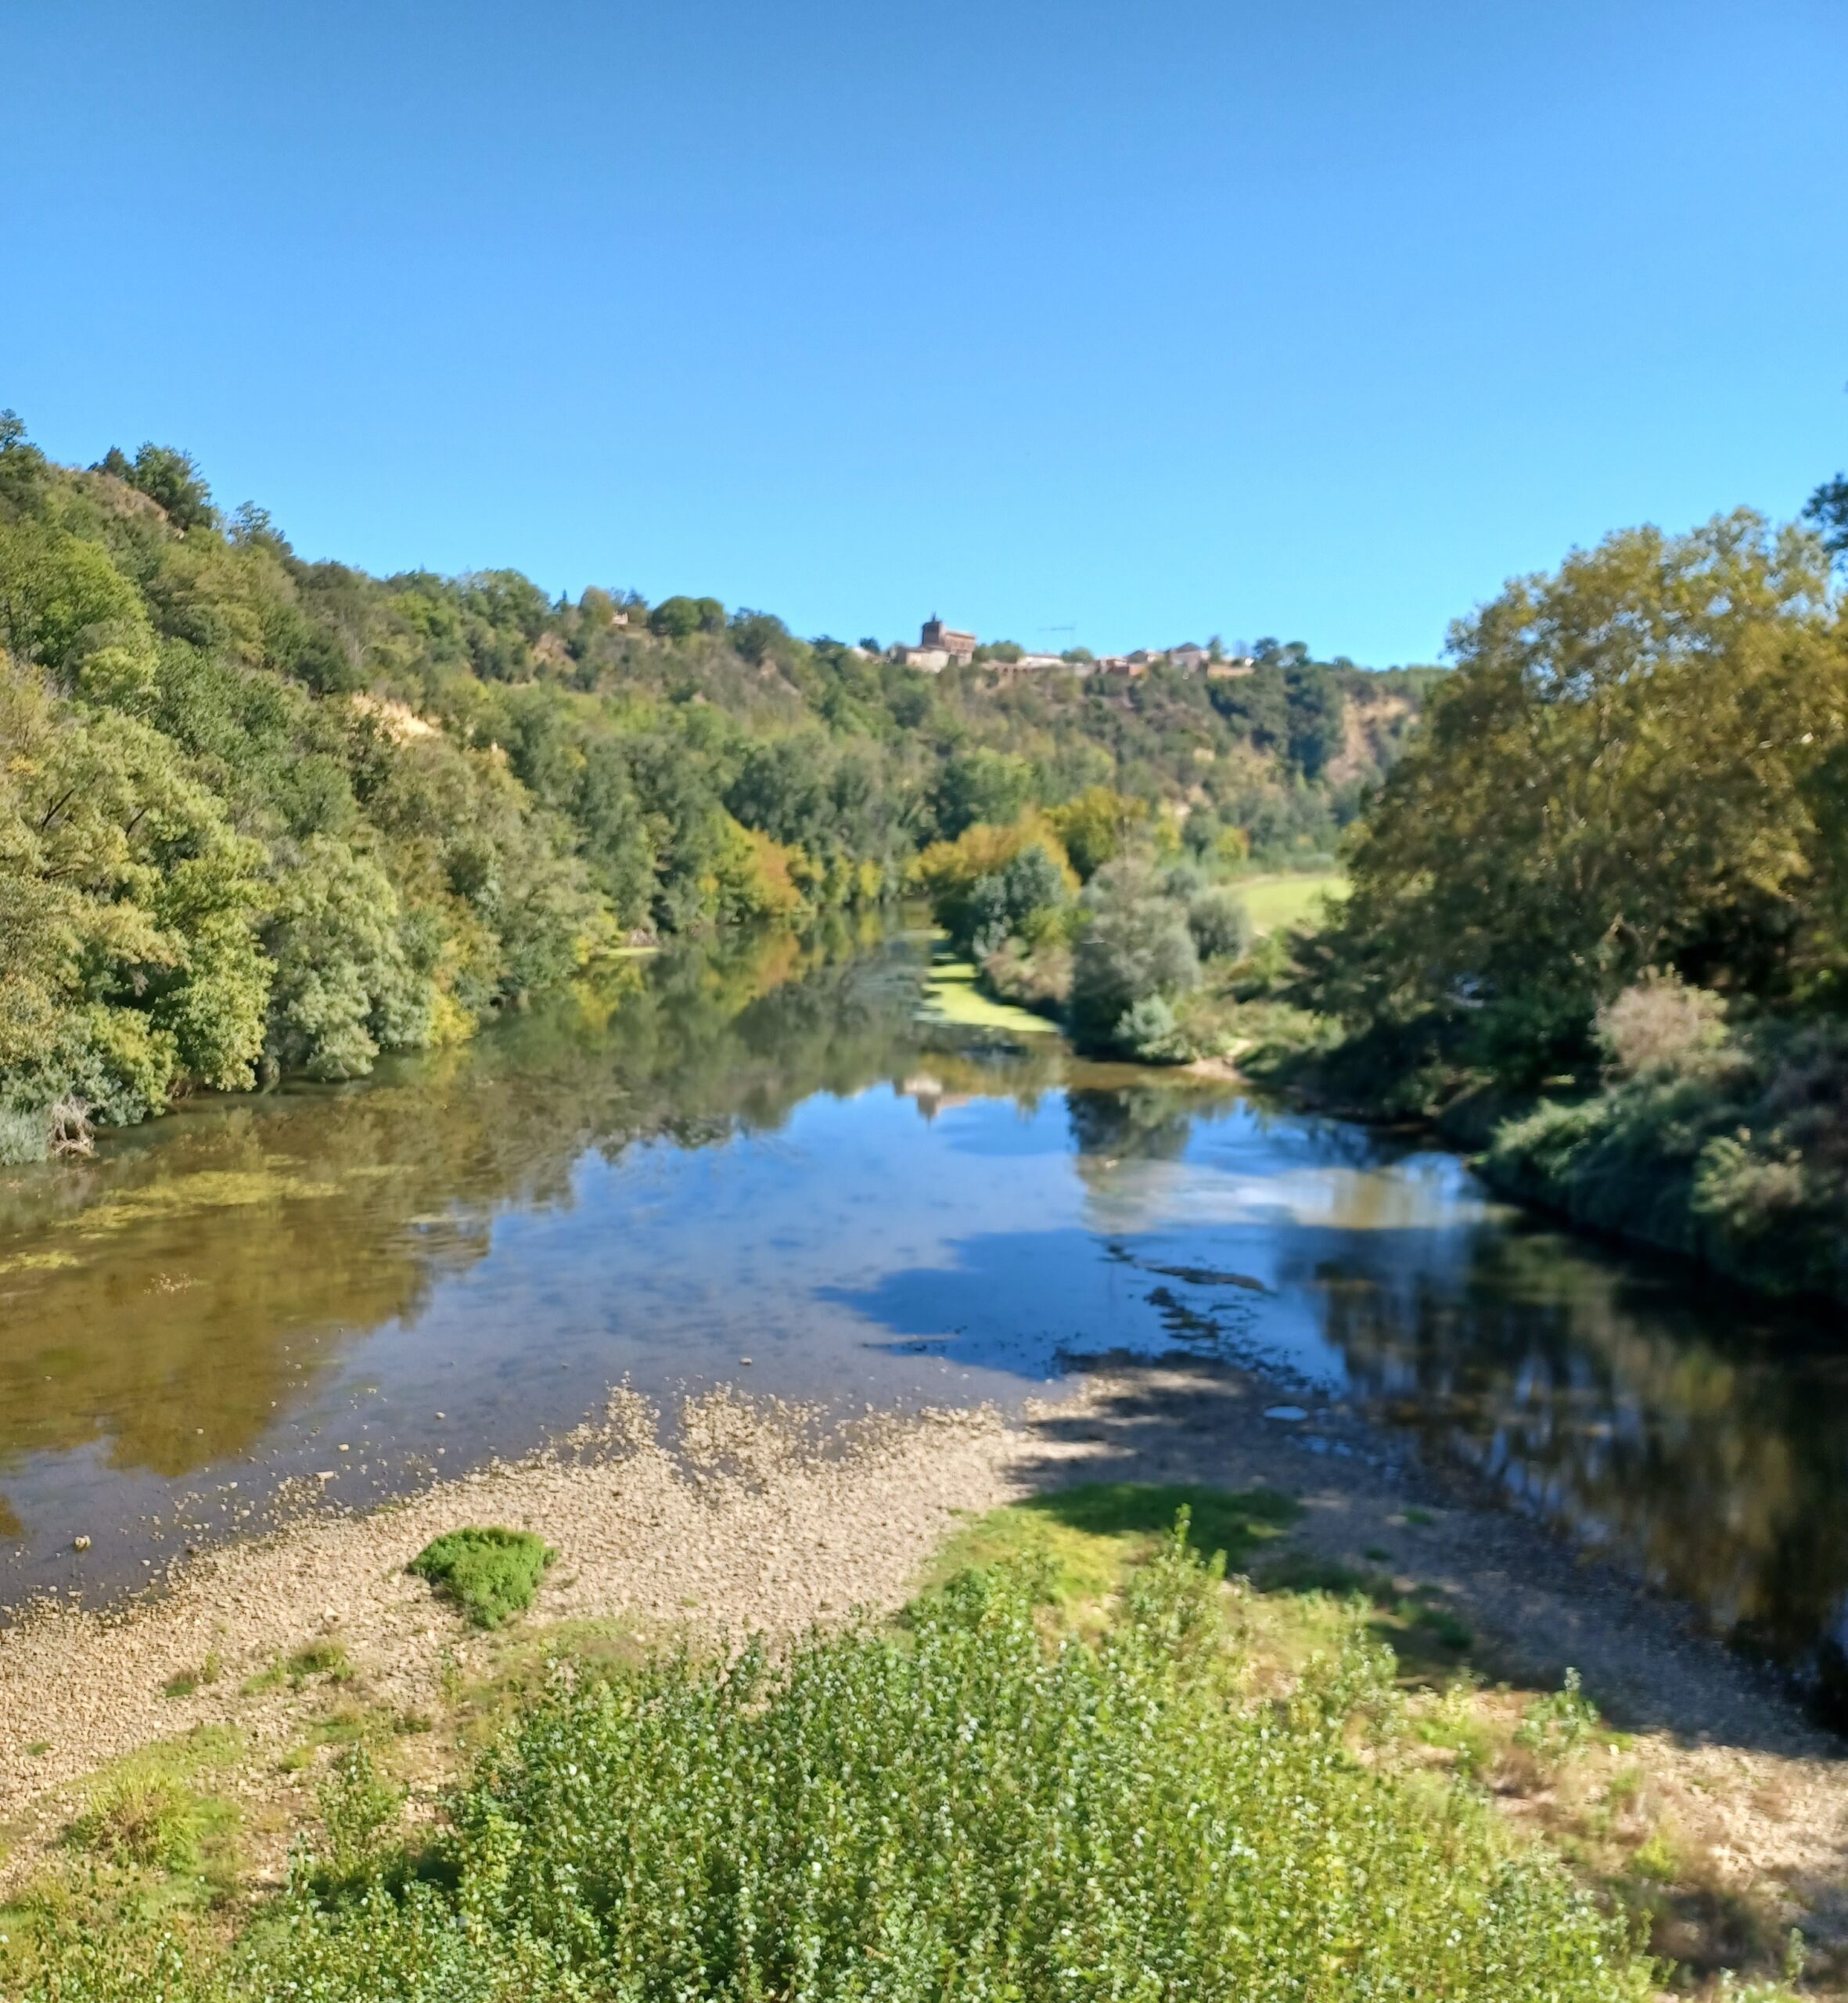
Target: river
(753,1162)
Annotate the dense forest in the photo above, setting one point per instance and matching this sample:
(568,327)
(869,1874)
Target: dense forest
(260,814)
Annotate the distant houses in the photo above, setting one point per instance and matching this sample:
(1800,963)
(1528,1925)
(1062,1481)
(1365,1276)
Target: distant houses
(938,646)
(941,646)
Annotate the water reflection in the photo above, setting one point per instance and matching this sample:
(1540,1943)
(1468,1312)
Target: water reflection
(169,1297)
(1702,1441)
(756,1149)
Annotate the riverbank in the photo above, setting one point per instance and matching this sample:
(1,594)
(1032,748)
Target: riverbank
(259,1661)
(1732,1165)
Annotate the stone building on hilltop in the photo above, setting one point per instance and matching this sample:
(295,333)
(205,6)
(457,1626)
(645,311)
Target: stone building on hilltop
(938,646)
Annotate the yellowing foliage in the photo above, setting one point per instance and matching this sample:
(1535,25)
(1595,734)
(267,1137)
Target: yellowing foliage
(948,869)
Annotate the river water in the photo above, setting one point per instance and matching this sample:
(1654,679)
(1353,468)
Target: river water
(759,1151)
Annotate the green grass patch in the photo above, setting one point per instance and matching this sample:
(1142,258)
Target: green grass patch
(1429,1641)
(1081,1545)
(156,1809)
(322,1656)
(1277,904)
(491,1574)
(1083,1541)
(951,996)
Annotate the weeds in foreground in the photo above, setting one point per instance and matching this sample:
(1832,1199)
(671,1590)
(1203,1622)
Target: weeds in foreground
(150,1821)
(963,1809)
(1559,1727)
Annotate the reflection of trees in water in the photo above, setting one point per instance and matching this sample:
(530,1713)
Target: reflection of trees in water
(1711,1455)
(171,1297)
(1146,1123)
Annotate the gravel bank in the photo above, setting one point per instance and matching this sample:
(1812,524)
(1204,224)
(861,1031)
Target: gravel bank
(761,1519)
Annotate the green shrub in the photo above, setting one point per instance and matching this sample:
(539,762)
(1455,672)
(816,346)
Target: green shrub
(1148,1032)
(359,1809)
(25,1134)
(142,1819)
(1135,948)
(490,1574)
(1220,923)
(1560,1726)
(1006,902)
(1731,1150)
(963,1810)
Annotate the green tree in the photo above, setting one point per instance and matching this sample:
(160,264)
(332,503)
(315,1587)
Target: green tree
(681,618)
(1622,772)
(1135,949)
(1096,826)
(980,784)
(1828,508)
(344,985)
(58,593)
(170,479)
(1011,902)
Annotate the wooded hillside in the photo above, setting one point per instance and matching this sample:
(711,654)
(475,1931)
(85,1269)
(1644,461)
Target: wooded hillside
(259,814)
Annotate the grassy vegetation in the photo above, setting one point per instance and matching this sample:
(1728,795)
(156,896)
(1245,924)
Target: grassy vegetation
(1080,1543)
(951,996)
(160,1808)
(959,1810)
(490,1574)
(1727,1145)
(1084,1757)
(1289,902)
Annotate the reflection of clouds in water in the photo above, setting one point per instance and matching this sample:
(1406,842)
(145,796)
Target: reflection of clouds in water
(1423,1194)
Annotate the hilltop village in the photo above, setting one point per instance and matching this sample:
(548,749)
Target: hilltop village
(941,646)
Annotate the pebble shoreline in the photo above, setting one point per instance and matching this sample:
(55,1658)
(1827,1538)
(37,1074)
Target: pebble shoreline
(763,1518)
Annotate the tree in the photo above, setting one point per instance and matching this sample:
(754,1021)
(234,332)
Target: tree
(681,618)
(344,986)
(1009,901)
(1317,711)
(1220,923)
(58,591)
(170,479)
(1828,508)
(980,785)
(1135,949)
(1627,769)
(23,467)
(758,636)
(1096,826)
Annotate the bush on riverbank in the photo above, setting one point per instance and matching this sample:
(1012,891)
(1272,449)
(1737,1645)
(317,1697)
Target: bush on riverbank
(1732,1148)
(1625,815)
(490,1574)
(962,1810)
(1138,965)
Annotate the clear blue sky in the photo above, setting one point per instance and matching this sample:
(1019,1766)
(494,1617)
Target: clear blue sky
(1145,320)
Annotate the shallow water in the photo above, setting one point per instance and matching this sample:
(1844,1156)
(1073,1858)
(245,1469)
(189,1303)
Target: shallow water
(761,1153)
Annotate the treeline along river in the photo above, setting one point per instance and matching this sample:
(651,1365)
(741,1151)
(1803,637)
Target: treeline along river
(763,1150)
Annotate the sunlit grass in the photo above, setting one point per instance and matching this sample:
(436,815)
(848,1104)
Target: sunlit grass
(951,997)
(1070,1719)
(1276,903)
